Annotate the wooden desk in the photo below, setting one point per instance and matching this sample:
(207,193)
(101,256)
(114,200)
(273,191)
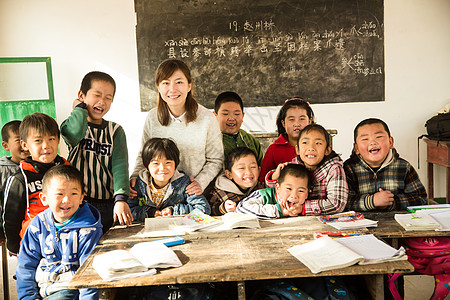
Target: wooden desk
(237,255)
(439,154)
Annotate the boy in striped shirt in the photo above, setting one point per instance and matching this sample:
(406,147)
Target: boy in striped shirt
(98,148)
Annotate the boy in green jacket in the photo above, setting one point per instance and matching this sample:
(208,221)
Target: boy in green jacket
(98,148)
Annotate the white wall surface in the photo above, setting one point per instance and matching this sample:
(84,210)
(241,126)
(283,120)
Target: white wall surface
(81,36)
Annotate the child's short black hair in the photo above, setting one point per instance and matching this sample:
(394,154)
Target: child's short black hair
(227,97)
(67,172)
(295,170)
(370,121)
(318,128)
(290,103)
(86,83)
(154,147)
(235,154)
(11,126)
(39,122)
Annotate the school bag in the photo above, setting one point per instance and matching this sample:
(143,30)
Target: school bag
(438,127)
(429,256)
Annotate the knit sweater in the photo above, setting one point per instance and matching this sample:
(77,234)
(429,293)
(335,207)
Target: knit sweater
(199,142)
(395,175)
(279,151)
(243,139)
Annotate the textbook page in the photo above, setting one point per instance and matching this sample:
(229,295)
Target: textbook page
(325,254)
(443,218)
(372,249)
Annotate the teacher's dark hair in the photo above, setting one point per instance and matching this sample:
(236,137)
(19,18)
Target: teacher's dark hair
(164,71)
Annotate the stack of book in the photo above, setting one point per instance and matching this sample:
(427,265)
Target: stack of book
(347,220)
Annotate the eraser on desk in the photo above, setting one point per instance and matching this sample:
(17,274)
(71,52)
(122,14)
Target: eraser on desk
(171,241)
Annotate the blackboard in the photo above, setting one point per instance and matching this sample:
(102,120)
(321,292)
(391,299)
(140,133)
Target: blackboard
(326,51)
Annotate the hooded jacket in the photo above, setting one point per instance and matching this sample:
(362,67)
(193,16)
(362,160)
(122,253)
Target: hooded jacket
(176,197)
(22,199)
(226,189)
(49,258)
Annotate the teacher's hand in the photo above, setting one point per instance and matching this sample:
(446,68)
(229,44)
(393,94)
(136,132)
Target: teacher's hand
(194,187)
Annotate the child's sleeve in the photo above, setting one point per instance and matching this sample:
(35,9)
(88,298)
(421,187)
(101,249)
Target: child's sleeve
(256,146)
(27,263)
(268,163)
(192,202)
(74,128)
(356,201)
(87,239)
(140,212)
(254,205)
(14,213)
(120,166)
(217,202)
(414,192)
(334,186)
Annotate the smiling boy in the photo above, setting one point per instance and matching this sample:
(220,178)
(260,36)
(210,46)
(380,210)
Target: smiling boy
(229,111)
(39,134)
(98,148)
(286,199)
(376,175)
(59,239)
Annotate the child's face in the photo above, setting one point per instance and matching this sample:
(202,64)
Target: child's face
(63,197)
(161,169)
(312,148)
(373,144)
(292,192)
(230,117)
(296,119)
(43,148)
(174,91)
(13,145)
(98,100)
(244,172)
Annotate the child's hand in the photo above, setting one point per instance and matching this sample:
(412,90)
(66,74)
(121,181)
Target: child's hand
(157,214)
(122,213)
(276,174)
(133,192)
(230,206)
(291,209)
(76,102)
(166,212)
(383,199)
(194,187)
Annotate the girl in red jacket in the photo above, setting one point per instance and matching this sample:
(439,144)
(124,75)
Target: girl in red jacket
(294,115)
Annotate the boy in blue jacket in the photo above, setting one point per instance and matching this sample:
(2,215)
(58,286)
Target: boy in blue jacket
(161,188)
(58,240)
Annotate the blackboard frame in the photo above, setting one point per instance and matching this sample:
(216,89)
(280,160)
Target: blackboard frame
(354,73)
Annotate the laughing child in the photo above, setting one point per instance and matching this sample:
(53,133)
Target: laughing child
(377,177)
(286,199)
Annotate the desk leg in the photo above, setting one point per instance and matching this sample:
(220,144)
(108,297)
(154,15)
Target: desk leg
(431,183)
(106,294)
(448,185)
(5,272)
(241,290)
(375,286)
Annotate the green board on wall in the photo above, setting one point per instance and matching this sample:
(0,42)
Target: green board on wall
(26,86)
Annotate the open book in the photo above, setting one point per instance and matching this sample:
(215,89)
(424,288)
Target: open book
(234,220)
(326,253)
(427,219)
(347,220)
(141,260)
(415,208)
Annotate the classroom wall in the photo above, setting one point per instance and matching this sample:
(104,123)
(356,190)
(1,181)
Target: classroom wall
(83,35)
